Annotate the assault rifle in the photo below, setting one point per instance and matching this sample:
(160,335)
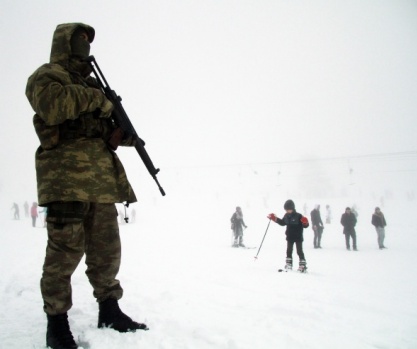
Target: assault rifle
(121,119)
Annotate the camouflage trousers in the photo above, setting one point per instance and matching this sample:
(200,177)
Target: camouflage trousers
(76,229)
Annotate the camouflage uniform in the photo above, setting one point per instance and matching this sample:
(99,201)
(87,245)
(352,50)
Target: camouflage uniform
(79,177)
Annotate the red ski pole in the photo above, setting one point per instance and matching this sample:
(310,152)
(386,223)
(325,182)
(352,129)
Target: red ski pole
(256,257)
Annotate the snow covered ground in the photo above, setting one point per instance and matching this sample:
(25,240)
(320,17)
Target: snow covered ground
(183,279)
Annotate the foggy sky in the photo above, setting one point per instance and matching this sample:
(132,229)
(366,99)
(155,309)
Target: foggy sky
(227,82)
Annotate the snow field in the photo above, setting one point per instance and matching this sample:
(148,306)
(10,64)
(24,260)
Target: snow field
(184,280)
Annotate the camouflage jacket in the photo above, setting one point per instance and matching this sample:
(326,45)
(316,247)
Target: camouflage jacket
(73,162)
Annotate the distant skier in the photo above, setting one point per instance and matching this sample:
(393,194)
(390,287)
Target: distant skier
(295,223)
(378,220)
(237,227)
(317,224)
(16,214)
(26,208)
(133,214)
(305,208)
(348,221)
(34,213)
(355,211)
(328,214)
(122,216)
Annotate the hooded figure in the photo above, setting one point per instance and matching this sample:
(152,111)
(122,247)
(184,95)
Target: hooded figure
(73,162)
(79,178)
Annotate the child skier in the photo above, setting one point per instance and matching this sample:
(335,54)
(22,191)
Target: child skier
(295,223)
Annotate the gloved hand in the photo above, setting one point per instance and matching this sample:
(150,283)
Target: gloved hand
(272,217)
(106,109)
(304,220)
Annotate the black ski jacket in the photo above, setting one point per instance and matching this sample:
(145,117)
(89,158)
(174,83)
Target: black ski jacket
(348,221)
(295,228)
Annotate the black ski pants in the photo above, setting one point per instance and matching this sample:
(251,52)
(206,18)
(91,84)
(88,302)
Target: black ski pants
(299,247)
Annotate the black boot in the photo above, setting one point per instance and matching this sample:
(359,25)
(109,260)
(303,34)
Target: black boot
(58,333)
(110,315)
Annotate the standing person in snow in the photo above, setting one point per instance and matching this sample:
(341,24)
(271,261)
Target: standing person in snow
(348,221)
(79,179)
(16,213)
(317,224)
(26,208)
(237,227)
(379,222)
(295,223)
(355,211)
(133,214)
(328,214)
(34,213)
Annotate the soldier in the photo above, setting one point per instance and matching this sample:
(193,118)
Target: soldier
(79,180)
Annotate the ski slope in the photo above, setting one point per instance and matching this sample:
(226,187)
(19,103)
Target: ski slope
(194,291)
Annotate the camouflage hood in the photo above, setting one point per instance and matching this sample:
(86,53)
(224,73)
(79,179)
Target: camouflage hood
(72,163)
(61,47)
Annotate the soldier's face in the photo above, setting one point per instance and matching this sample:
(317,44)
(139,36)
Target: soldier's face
(84,36)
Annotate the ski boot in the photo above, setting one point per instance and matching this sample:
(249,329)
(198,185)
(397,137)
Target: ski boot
(58,333)
(302,268)
(288,264)
(241,242)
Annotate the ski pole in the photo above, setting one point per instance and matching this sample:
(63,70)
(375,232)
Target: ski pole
(256,257)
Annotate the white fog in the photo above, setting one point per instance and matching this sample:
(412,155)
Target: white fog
(241,103)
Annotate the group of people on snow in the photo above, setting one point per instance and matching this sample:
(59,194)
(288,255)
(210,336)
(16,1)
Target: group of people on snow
(296,223)
(73,120)
(32,212)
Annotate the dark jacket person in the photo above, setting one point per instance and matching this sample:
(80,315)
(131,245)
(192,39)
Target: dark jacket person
(348,221)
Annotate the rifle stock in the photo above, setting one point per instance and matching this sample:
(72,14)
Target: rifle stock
(122,120)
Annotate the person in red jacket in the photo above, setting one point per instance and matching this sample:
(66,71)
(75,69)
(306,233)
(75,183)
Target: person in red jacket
(295,223)
(34,213)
